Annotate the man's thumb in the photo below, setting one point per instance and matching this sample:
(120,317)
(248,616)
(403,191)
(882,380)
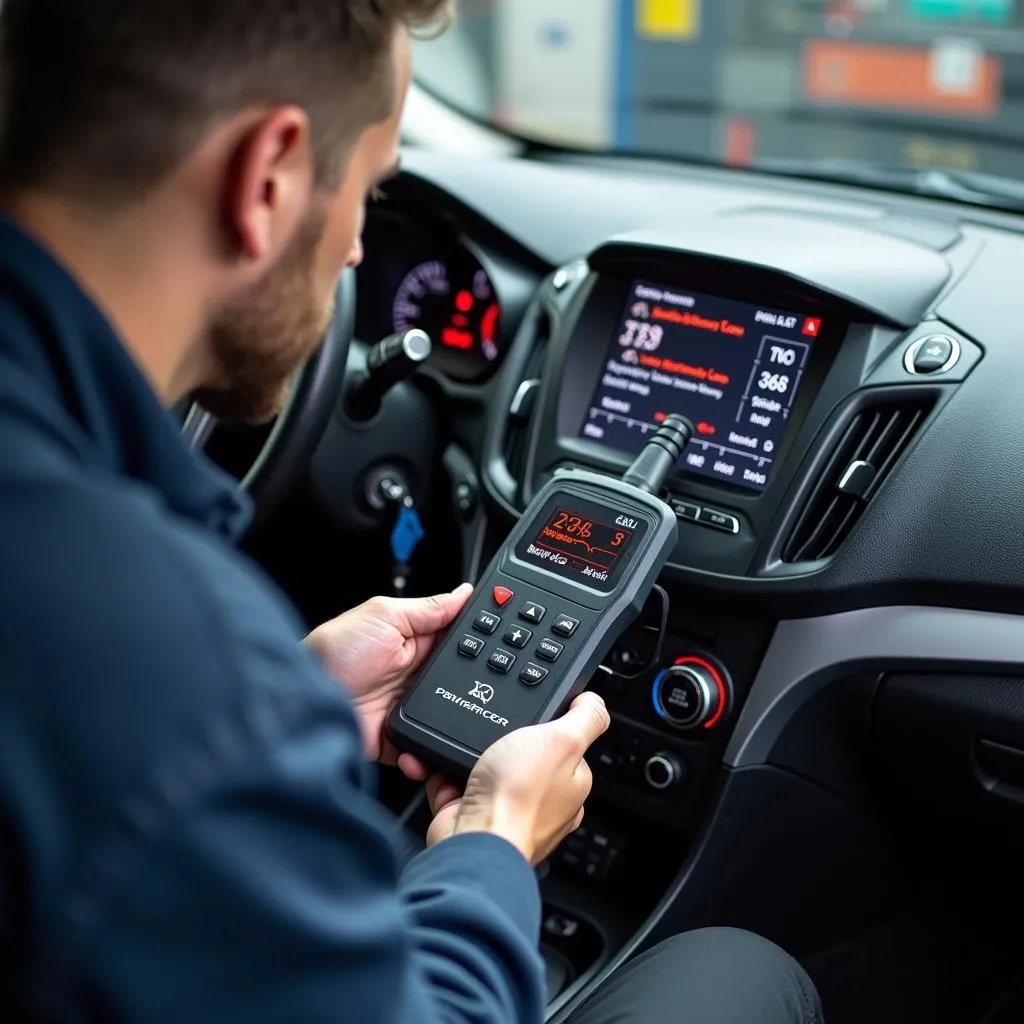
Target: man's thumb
(587,719)
(430,614)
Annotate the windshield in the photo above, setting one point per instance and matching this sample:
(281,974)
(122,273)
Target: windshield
(912,84)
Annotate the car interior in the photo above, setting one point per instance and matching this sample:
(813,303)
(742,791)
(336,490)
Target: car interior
(820,735)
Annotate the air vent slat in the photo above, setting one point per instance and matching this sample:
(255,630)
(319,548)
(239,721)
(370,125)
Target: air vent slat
(911,423)
(815,541)
(840,528)
(887,441)
(841,457)
(878,437)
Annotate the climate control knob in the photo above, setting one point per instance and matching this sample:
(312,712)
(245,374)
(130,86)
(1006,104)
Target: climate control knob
(690,694)
(664,771)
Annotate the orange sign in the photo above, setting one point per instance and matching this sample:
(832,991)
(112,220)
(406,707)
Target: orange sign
(901,78)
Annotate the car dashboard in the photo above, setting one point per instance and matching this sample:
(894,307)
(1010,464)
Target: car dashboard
(839,667)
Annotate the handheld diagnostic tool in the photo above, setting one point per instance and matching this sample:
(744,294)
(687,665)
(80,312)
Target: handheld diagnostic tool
(573,574)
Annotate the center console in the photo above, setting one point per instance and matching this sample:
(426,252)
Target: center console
(808,378)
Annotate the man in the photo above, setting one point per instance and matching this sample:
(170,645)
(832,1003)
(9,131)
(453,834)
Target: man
(185,837)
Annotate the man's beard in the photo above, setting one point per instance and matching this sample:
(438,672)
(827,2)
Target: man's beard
(260,339)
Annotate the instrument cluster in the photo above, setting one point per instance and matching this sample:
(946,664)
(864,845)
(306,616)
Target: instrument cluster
(420,272)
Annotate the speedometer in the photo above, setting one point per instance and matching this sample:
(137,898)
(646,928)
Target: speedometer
(423,298)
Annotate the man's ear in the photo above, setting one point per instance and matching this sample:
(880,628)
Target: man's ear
(271,183)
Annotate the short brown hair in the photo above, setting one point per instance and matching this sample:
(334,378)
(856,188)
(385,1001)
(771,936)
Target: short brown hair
(104,98)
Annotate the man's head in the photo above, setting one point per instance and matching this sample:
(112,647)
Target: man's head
(250,132)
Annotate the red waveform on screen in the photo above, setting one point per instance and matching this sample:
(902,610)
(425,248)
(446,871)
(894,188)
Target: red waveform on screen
(570,542)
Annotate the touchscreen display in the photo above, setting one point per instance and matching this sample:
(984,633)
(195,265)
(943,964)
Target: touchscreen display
(582,541)
(733,369)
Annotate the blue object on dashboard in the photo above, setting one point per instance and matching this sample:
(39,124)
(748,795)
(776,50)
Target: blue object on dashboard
(406,536)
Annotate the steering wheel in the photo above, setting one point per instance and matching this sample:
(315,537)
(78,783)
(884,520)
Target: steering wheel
(300,426)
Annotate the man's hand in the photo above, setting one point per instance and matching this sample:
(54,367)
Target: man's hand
(375,649)
(529,787)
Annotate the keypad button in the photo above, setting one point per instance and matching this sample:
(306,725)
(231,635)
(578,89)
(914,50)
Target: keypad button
(549,650)
(486,622)
(533,612)
(565,625)
(533,674)
(471,646)
(518,636)
(502,596)
(686,510)
(719,520)
(502,661)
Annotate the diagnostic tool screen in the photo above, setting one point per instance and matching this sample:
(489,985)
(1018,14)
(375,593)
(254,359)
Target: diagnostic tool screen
(582,541)
(733,369)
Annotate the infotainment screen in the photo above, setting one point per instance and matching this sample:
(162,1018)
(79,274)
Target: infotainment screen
(733,369)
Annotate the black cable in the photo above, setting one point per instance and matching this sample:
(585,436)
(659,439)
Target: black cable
(655,658)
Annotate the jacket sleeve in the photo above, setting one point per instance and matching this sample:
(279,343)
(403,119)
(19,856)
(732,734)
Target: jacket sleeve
(450,891)
(255,881)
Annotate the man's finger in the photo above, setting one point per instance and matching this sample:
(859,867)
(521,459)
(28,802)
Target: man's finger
(441,793)
(586,720)
(443,825)
(426,615)
(412,767)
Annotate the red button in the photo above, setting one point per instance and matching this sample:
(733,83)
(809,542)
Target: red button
(502,596)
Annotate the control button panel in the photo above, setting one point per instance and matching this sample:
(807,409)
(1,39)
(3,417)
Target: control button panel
(504,661)
(591,851)
(712,518)
(637,760)
(616,753)
(534,665)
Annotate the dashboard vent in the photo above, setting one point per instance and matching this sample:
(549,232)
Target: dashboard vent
(868,448)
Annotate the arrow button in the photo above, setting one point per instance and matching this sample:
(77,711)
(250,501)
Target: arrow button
(533,612)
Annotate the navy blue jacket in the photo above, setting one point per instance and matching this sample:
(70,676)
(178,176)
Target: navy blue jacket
(184,832)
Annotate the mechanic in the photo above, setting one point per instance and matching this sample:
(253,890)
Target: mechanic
(186,834)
